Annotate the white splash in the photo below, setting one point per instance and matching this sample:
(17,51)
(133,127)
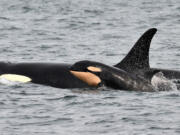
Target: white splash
(161,83)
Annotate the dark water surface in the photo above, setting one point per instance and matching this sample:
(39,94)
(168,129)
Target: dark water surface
(67,31)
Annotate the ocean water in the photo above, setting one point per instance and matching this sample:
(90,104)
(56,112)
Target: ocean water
(66,31)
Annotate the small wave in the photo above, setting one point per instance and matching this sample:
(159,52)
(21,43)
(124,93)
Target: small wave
(161,83)
(69,97)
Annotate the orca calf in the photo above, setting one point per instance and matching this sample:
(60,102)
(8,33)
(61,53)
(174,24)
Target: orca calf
(97,74)
(56,75)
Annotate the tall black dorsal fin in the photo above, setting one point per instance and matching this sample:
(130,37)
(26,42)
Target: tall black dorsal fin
(138,56)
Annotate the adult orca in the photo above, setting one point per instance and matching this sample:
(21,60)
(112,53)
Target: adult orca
(97,74)
(58,75)
(137,60)
(134,69)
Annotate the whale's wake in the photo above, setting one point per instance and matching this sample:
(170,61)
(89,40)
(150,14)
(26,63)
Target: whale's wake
(161,83)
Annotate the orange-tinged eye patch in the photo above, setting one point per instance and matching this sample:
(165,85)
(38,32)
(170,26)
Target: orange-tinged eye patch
(87,77)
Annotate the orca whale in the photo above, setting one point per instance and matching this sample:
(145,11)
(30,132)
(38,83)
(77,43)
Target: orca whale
(136,65)
(97,74)
(58,75)
(52,74)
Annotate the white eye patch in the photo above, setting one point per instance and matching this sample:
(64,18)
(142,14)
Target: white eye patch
(15,78)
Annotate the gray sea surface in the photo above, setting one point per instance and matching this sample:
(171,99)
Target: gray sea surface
(66,31)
